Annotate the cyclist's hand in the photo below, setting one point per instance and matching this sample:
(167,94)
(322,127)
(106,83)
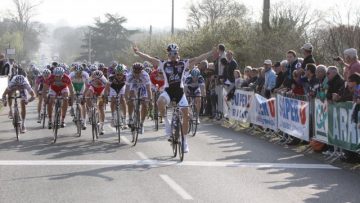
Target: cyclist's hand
(135,48)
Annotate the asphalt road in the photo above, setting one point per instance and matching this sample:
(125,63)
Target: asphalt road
(222,166)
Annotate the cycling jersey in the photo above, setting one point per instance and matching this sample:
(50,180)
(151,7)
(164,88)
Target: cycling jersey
(79,82)
(156,79)
(39,81)
(117,86)
(193,87)
(174,84)
(97,85)
(58,84)
(138,82)
(12,87)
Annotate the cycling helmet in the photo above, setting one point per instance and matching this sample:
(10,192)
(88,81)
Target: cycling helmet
(138,67)
(101,65)
(97,74)
(172,47)
(48,66)
(120,68)
(58,71)
(114,63)
(195,72)
(78,68)
(46,72)
(19,79)
(93,68)
(55,64)
(148,70)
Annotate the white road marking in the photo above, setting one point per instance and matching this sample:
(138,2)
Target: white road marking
(142,155)
(127,141)
(176,187)
(154,162)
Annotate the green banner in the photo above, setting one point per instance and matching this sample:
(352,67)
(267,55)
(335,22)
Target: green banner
(342,131)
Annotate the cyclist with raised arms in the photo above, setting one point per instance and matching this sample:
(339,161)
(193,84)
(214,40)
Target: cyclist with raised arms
(138,79)
(174,69)
(97,84)
(39,86)
(58,85)
(79,80)
(116,87)
(195,86)
(21,84)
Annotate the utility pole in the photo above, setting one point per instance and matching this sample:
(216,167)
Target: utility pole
(172,19)
(89,48)
(266,16)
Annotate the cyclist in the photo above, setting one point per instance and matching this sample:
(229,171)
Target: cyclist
(54,64)
(136,79)
(195,86)
(157,83)
(58,85)
(116,87)
(97,84)
(21,84)
(111,69)
(14,71)
(174,70)
(79,80)
(103,69)
(39,85)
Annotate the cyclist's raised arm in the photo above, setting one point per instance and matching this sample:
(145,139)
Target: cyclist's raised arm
(198,59)
(152,60)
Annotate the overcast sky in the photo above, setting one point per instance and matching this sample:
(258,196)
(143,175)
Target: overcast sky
(143,13)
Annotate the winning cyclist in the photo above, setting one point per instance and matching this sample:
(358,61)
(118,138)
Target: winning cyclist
(97,84)
(174,69)
(195,86)
(79,80)
(58,85)
(21,84)
(135,80)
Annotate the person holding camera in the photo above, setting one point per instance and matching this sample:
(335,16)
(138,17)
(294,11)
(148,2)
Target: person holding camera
(351,62)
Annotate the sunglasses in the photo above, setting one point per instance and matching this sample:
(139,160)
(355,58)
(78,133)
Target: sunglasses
(173,53)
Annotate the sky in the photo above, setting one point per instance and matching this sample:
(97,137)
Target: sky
(143,13)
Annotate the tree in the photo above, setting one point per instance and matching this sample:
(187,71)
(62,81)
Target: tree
(109,38)
(211,12)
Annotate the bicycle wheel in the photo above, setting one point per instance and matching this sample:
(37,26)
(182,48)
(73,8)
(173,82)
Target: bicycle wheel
(136,127)
(16,123)
(156,114)
(193,121)
(180,140)
(94,126)
(118,122)
(174,136)
(56,121)
(78,119)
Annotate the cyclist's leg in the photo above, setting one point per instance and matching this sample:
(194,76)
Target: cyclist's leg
(88,96)
(112,96)
(131,104)
(163,100)
(144,105)
(65,104)
(185,114)
(39,105)
(50,105)
(10,104)
(198,101)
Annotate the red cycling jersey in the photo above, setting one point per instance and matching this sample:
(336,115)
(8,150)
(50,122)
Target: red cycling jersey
(58,84)
(156,79)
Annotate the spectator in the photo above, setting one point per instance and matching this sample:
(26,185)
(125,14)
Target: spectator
(311,84)
(16,70)
(335,82)
(270,78)
(259,83)
(247,76)
(351,62)
(228,73)
(279,74)
(238,82)
(296,86)
(2,64)
(322,81)
(254,75)
(219,68)
(292,65)
(307,50)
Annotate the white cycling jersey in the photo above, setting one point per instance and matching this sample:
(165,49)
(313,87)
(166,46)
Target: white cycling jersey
(24,86)
(136,82)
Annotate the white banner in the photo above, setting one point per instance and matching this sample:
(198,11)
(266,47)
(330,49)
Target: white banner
(263,112)
(241,105)
(293,117)
(321,121)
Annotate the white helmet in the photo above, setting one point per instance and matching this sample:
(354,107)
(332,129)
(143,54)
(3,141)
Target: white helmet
(172,47)
(97,74)
(19,79)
